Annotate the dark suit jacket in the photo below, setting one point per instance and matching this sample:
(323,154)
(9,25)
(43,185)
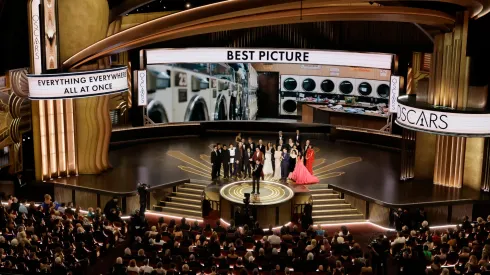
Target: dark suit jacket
(297,138)
(251,146)
(246,157)
(239,154)
(244,147)
(285,158)
(257,171)
(220,154)
(284,140)
(225,156)
(214,158)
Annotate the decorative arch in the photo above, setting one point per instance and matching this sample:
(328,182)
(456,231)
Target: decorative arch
(232,15)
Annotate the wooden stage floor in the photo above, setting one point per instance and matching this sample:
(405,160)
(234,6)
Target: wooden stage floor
(365,171)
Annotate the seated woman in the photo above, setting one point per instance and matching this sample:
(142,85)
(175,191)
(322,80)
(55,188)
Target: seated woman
(133,267)
(178,232)
(472,266)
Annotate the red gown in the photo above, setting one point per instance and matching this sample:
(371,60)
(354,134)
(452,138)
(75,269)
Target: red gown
(301,175)
(310,158)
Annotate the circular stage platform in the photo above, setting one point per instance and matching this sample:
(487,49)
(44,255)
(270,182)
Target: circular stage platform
(270,192)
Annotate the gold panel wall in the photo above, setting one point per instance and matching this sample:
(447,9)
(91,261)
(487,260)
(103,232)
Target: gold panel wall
(74,133)
(448,87)
(408,154)
(425,156)
(473,163)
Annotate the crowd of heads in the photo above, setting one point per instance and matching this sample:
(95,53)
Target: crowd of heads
(52,238)
(185,248)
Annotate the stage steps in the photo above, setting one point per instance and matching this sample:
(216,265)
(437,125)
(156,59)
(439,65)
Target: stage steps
(185,202)
(329,208)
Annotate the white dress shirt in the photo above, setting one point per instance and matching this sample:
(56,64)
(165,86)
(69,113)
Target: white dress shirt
(232,155)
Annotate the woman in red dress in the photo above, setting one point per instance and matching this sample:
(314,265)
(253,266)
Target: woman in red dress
(310,158)
(301,175)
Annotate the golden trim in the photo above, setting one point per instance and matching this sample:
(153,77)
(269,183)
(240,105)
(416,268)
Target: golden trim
(218,17)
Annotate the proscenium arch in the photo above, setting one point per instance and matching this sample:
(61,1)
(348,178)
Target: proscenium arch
(195,101)
(232,15)
(477,8)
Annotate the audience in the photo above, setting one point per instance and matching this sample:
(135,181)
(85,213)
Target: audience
(58,239)
(48,239)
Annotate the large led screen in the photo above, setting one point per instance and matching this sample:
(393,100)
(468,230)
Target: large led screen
(268,86)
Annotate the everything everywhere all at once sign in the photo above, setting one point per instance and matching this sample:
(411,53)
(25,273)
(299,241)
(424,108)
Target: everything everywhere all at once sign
(448,123)
(79,84)
(231,55)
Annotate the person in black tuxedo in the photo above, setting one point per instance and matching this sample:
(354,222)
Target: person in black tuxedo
(225,159)
(247,158)
(19,186)
(273,150)
(261,147)
(279,138)
(243,145)
(220,151)
(251,145)
(215,162)
(256,177)
(297,138)
(305,148)
(299,148)
(238,160)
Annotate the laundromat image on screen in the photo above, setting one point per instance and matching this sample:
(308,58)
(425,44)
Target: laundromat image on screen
(201,92)
(186,92)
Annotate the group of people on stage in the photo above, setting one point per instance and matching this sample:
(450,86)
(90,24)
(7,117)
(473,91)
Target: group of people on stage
(286,158)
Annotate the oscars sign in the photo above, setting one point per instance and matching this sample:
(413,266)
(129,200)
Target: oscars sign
(79,84)
(443,123)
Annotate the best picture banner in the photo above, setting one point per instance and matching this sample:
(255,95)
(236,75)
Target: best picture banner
(445,123)
(293,56)
(78,84)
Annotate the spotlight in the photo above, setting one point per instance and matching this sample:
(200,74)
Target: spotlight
(187,5)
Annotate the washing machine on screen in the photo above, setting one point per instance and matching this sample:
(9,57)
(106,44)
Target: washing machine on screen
(310,84)
(177,94)
(328,85)
(347,86)
(382,89)
(213,96)
(290,83)
(289,105)
(250,98)
(222,103)
(365,87)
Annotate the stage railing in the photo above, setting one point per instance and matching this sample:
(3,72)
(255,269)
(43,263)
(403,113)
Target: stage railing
(86,197)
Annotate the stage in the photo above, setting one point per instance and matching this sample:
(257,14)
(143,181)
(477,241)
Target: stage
(357,172)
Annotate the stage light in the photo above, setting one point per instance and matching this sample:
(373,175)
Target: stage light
(187,5)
